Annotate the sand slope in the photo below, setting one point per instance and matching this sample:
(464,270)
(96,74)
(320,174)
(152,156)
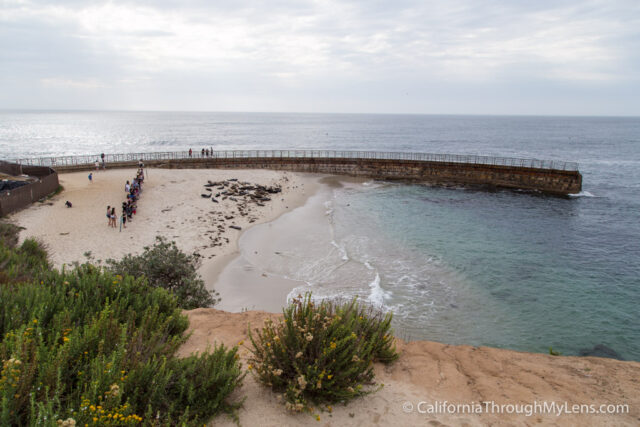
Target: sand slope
(429,371)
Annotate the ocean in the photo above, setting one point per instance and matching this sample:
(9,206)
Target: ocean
(460,266)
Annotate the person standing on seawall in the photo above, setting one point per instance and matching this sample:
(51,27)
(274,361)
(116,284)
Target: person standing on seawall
(190,152)
(102,157)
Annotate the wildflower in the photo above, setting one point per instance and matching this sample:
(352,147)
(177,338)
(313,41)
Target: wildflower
(277,372)
(249,366)
(35,321)
(302,382)
(309,337)
(114,390)
(329,408)
(317,417)
(65,339)
(350,389)
(332,345)
(241,342)
(319,384)
(298,355)
(355,358)
(329,377)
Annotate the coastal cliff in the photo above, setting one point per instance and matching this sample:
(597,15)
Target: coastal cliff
(431,377)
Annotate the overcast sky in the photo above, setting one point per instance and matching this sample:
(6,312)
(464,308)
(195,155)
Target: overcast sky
(544,57)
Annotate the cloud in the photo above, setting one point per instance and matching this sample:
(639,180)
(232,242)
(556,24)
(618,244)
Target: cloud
(287,48)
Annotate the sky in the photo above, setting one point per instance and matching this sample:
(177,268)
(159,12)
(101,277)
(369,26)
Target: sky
(543,57)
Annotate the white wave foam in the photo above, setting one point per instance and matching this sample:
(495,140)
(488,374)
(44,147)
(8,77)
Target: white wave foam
(377,295)
(366,264)
(341,250)
(582,194)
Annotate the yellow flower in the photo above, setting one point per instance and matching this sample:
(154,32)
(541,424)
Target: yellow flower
(317,417)
(241,342)
(65,339)
(35,321)
(329,377)
(333,345)
(249,366)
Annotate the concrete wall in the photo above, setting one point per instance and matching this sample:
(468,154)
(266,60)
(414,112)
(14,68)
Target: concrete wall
(544,180)
(21,197)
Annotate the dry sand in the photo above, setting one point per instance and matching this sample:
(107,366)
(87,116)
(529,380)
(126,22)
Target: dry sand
(430,372)
(171,206)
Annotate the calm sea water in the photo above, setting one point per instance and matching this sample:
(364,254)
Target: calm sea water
(460,266)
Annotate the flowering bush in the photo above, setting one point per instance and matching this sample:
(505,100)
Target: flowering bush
(85,346)
(321,352)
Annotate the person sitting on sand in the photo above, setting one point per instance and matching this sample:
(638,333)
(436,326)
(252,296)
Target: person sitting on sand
(90,177)
(68,204)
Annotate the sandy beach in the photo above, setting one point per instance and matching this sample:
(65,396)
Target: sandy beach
(172,206)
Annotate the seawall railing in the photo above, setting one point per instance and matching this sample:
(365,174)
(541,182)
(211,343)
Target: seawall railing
(295,154)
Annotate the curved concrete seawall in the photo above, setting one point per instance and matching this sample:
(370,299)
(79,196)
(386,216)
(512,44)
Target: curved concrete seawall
(557,178)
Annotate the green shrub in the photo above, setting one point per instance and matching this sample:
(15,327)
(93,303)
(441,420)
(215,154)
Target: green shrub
(321,353)
(9,234)
(89,347)
(166,266)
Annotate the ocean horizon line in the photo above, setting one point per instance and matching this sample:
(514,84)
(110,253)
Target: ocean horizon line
(312,113)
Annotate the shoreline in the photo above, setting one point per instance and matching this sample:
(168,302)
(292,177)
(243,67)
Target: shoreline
(211,270)
(426,371)
(429,373)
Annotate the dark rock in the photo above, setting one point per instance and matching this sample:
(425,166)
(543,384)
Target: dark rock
(235,227)
(601,350)
(214,200)
(206,195)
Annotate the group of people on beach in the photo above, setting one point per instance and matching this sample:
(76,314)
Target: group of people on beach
(206,152)
(133,190)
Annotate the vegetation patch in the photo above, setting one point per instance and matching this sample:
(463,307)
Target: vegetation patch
(321,353)
(164,265)
(87,346)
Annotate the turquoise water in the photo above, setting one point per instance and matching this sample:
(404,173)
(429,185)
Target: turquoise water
(507,270)
(460,266)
